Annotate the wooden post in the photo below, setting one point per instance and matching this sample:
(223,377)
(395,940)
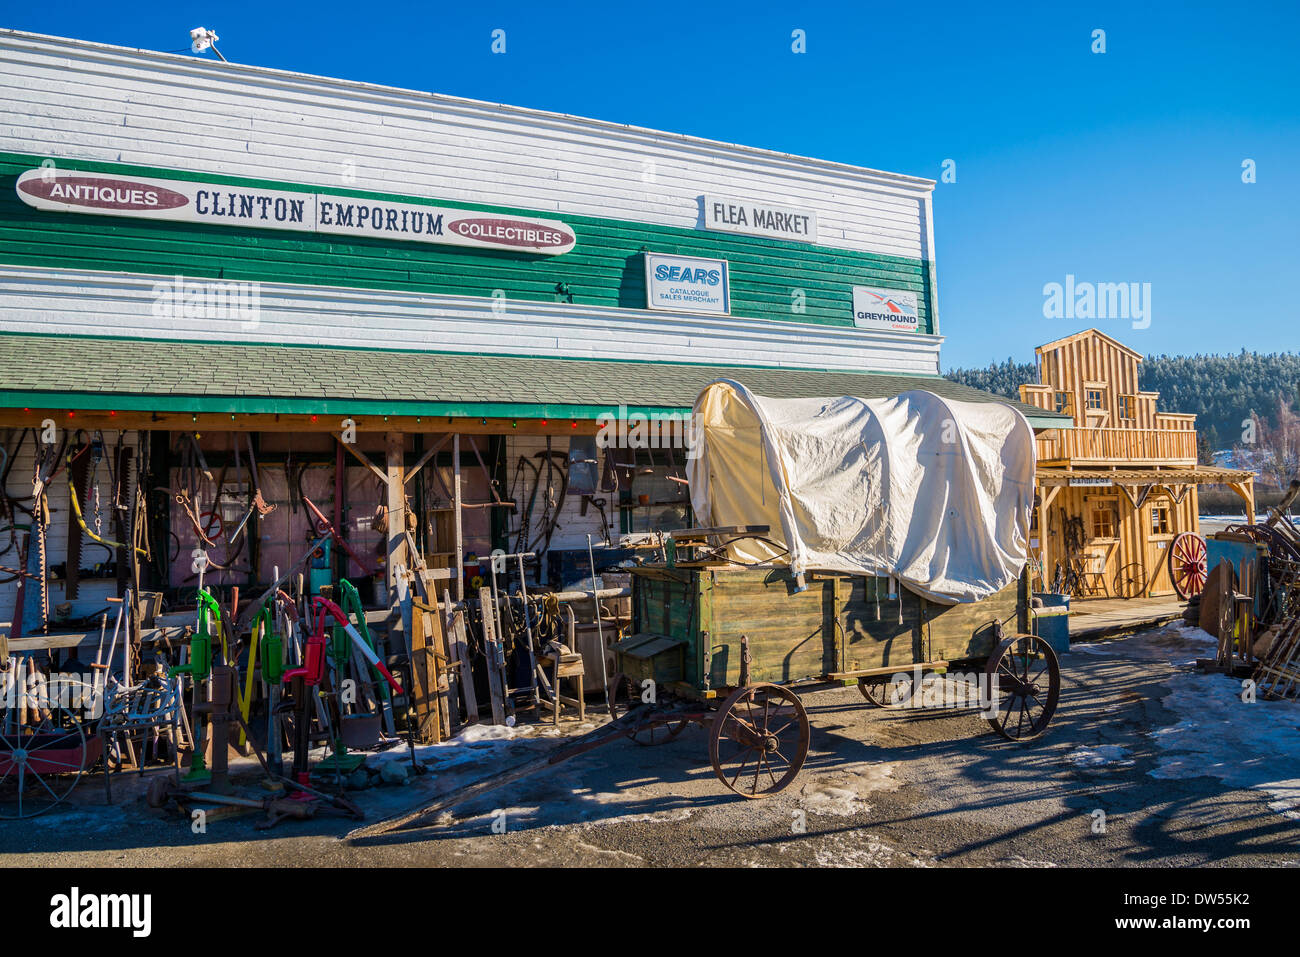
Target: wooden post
(424,681)
(397,558)
(492,651)
(457,505)
(458,650)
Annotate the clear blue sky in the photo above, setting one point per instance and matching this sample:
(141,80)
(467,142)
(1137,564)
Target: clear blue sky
(1115,167)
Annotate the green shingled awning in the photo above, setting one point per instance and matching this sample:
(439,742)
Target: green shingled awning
(87,372)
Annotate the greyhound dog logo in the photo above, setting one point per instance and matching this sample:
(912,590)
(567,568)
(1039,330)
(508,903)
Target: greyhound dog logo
(891,304)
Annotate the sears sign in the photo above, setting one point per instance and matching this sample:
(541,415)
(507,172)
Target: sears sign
(686,284)
(885,309)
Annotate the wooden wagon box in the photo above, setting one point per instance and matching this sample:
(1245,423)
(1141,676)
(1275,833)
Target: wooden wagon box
(840,627)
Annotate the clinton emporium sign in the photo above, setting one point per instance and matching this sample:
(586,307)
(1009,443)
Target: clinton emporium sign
(253,207)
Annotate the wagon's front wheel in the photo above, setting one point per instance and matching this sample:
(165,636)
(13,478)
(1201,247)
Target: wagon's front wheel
(759,740)
(1024,683)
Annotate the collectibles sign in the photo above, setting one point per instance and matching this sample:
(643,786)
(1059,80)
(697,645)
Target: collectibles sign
(686,284)
(885,309)
(181,201)
(759,219)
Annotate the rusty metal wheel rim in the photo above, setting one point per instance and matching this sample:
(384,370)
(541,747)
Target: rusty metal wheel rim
(1027,675)
(759,739)
(646,724)
(884,694)
(1188,567)
(1130,581)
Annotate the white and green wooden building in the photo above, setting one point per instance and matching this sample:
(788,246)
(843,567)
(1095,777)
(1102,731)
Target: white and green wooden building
(193,246)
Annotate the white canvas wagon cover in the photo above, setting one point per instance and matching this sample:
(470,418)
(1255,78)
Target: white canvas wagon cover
(935,492)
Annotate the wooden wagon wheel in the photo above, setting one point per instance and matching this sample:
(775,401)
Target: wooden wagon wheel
(1024,683)
(884,692)
(1130,581)
(644,723)
(41,759)
(1187,565)
(759,740)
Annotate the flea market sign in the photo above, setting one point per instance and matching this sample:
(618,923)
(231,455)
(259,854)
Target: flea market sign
(183,201)
(687,284)
(885,309)
(759,219)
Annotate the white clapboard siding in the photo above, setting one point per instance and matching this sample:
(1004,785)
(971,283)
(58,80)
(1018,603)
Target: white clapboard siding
(85,302)
(78,100)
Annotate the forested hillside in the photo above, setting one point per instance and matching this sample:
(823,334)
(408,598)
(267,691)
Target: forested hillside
(1221,390)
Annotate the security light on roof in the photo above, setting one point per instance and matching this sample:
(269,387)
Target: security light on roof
(201,38)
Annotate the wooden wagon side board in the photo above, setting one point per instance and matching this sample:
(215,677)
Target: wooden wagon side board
(968,631)
(791,634)
(838,626)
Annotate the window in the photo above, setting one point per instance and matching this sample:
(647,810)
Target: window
(1160,519)
(1128,407)
(1065,403)
(1105,520)
(1095,400)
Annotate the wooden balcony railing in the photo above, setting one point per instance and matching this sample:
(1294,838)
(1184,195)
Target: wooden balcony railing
(1084,446)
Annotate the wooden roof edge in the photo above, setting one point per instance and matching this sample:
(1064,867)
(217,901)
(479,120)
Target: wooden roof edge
(1058,343)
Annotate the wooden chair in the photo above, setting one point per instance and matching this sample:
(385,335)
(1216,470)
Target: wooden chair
(563,662)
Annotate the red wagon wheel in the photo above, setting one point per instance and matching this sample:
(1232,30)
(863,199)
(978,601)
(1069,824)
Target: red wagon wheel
(759,740)
(42,757)
(1187,565)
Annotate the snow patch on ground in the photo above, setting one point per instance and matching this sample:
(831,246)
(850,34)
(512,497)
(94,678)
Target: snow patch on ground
(1097,647)
(1244,744)
(673,816)
(1103,755)
(840,794)
(863,849)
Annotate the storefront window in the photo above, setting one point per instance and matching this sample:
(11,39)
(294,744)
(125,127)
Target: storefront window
(1160,519)
(1105,520)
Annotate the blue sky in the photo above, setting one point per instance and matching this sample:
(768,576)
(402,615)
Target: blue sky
(1115,167)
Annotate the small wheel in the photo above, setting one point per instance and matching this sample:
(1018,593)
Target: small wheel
(1188,569)
(1024,680)
(885,693)
(759,740)
(1130,581)
(644,723)
(42,754)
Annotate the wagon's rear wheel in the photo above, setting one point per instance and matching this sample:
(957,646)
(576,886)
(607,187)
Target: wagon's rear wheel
(885,692)
(643,721)
(759,740)
(1188,568)
(1024,684)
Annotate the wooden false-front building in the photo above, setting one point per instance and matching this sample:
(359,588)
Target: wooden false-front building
(1118,488)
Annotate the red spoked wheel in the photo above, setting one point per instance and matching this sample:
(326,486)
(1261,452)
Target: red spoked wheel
(1188,568)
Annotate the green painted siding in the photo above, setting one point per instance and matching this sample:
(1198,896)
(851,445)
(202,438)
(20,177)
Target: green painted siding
(605,269)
